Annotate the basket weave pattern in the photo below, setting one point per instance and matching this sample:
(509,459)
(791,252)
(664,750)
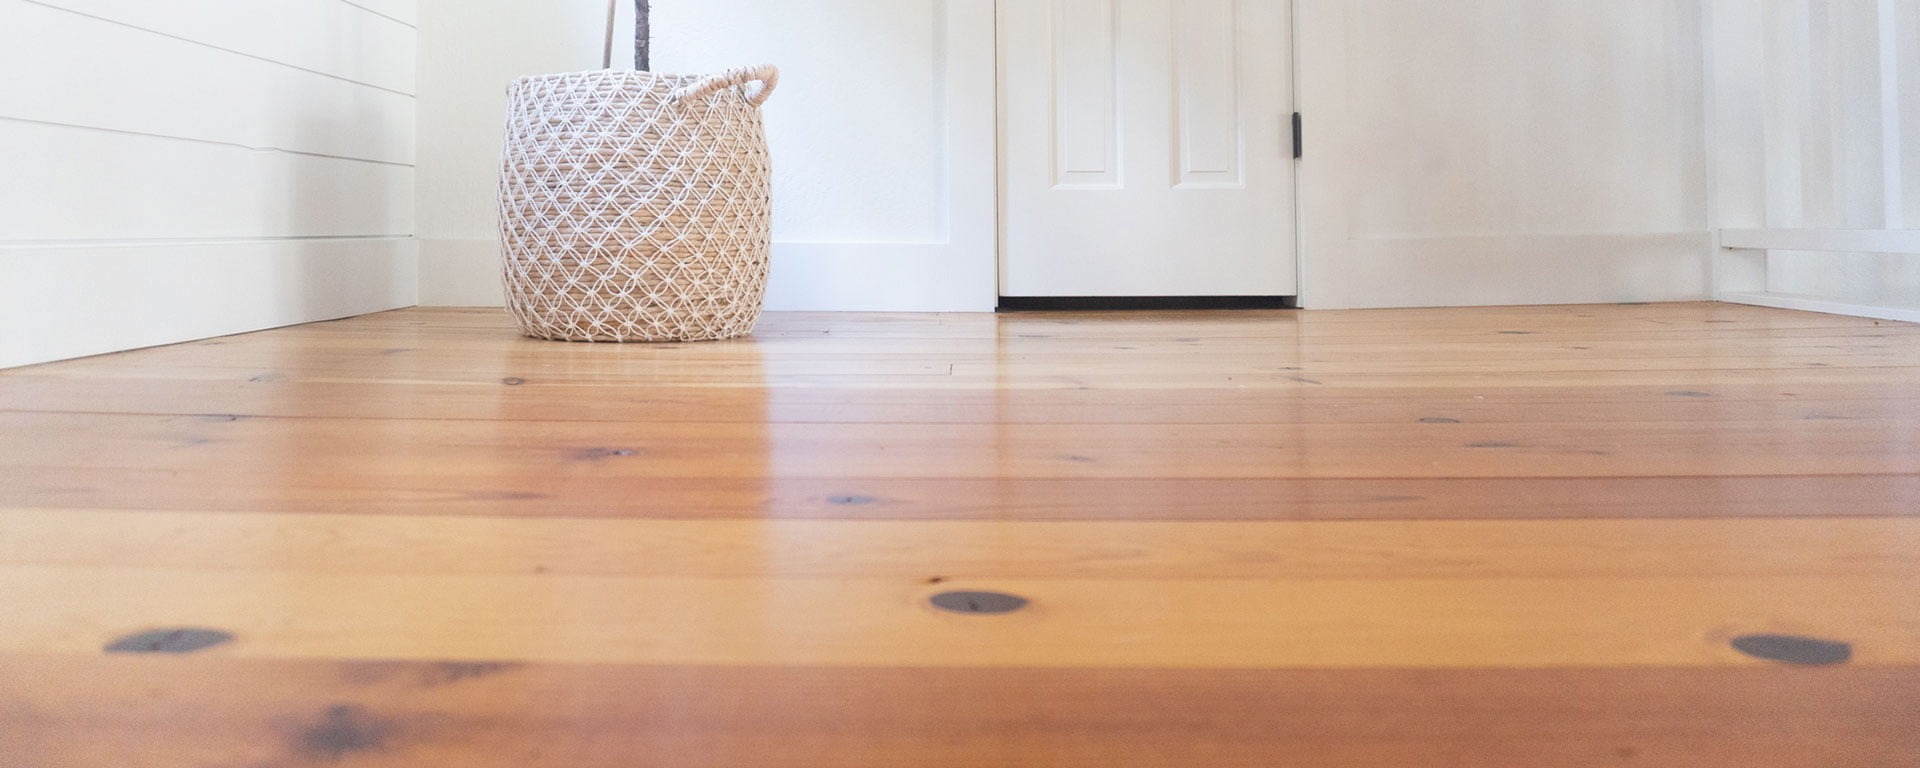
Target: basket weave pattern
(636,206)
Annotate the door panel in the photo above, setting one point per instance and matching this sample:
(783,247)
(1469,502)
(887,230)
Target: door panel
(1146,148)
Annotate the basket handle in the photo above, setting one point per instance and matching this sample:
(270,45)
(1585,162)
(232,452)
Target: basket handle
(768,76)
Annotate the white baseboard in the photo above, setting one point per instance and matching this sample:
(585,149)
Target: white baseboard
(1817,304)
(1900,241)
(1513,269)
(60,302)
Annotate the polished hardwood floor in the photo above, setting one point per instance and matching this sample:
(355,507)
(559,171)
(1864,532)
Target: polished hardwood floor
(1527,537)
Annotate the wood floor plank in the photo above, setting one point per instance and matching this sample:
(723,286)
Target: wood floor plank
(943,551)
(992,369)
(80,712)
(1281,341)
(541,400)
(1662,317)
(1521,536)
(1605,621)
(362,450)
(1263,362)
(587,495)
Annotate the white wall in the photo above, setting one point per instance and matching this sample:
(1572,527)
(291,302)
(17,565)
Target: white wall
(881,132)
(198,167)
(195,168)
(1502,152)
(1816,110)
(1470,152)
(1462,152)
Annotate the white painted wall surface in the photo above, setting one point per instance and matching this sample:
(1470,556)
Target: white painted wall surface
(1502,152)
(1816,151)
(199,167)
(1473,152)
(1489,151)
(881,132)
(195,168)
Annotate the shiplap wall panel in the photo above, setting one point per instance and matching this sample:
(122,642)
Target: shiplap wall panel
(326,36)
(404,11)
(71,184)
(61,302)
(192,168)
(127,79)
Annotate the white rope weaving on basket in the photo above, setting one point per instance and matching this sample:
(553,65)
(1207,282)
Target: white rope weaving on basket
(636,206)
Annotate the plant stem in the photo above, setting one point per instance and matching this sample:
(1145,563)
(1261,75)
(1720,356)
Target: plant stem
(642,34)
(606,52)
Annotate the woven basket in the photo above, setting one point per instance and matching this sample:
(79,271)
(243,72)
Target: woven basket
(635,206)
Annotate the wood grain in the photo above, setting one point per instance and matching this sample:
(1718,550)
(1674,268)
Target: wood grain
(946,551)
(880,621)
(1512,536)
(79,712)
(527,494)
(475,449)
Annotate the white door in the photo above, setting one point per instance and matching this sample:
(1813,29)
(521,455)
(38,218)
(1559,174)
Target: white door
(1147,148)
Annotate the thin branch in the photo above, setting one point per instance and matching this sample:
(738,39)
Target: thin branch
(606,53)
(642,34)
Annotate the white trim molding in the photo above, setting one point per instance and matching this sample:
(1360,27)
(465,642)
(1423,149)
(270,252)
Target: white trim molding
(1818,304)
(1901,241)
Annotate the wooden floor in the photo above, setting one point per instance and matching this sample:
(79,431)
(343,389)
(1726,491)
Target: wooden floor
(1482,538)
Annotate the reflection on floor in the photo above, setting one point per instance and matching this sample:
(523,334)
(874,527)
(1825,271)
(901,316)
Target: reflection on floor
(1677,535)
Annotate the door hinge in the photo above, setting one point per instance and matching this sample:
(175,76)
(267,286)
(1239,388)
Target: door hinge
(1299,138)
